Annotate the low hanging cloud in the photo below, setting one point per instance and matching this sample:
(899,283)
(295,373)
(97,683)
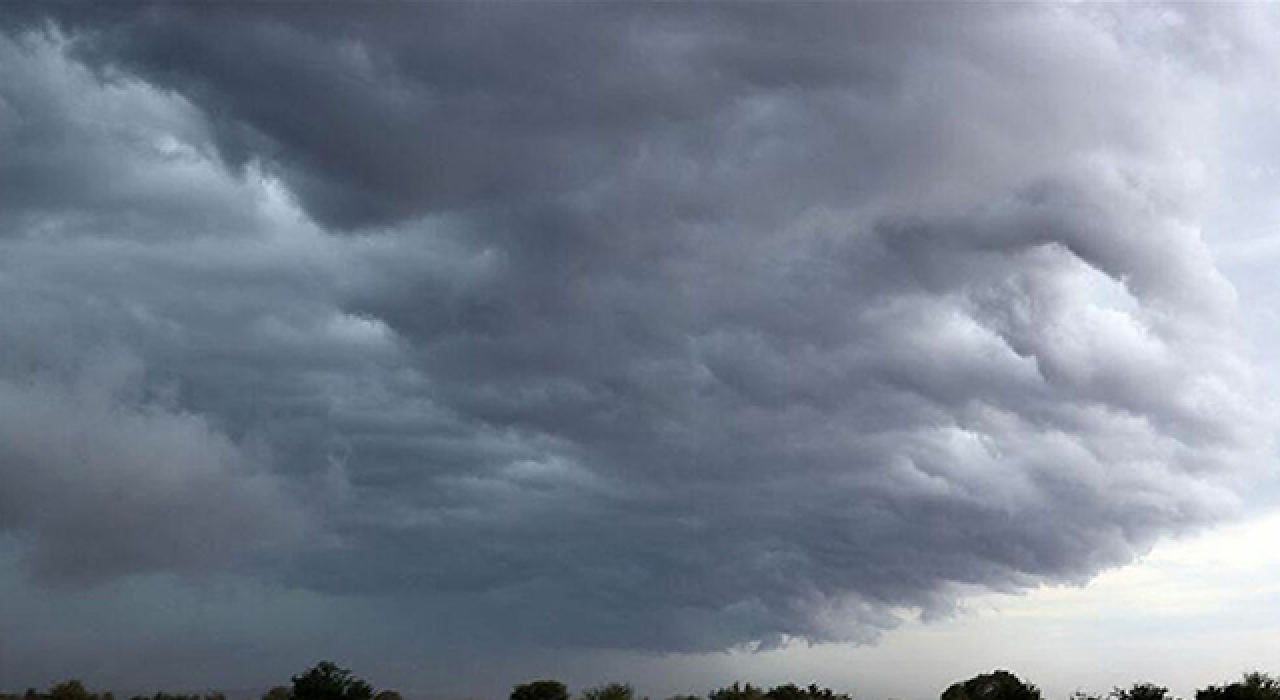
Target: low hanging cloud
(95,483)
(654,327)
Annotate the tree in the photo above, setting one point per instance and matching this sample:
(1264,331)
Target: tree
(737,692)
(791,691)
(540,690)
(278,692)
(998,685)
(1254,685)
(328,682)
(609,691)
(1141,691)
(73,690)
(388,695)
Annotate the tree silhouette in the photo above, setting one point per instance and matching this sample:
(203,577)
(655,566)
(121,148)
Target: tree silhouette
(70,690)
(540,690)
(1141,691)
(998,685)
(737,692)
(1254,685)
(609,691)
(791,691)
(328,682)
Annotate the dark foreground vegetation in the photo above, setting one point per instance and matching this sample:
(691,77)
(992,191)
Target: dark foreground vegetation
(326,681)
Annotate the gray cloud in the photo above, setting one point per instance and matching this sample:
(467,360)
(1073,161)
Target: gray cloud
(654,327)
(96,484)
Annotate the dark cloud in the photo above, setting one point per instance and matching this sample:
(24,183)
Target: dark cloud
(655,327)
(98,485)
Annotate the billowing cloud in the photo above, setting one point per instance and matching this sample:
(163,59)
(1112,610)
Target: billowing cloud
(96,485)
(654,327)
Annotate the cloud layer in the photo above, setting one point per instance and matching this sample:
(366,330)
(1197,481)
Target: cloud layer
(659,327)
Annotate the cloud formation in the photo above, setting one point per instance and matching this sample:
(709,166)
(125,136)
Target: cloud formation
(656,327)
(103,486)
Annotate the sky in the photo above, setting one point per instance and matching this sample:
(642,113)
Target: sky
(877,345)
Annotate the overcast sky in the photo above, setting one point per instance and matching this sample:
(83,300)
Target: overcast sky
(872,344)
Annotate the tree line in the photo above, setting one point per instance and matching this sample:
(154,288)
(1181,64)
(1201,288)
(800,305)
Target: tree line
(327,681)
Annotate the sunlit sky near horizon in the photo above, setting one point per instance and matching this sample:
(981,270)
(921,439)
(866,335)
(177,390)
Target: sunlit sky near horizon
(875,345)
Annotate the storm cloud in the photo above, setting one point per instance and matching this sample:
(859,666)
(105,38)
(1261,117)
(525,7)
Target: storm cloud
(656,327)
